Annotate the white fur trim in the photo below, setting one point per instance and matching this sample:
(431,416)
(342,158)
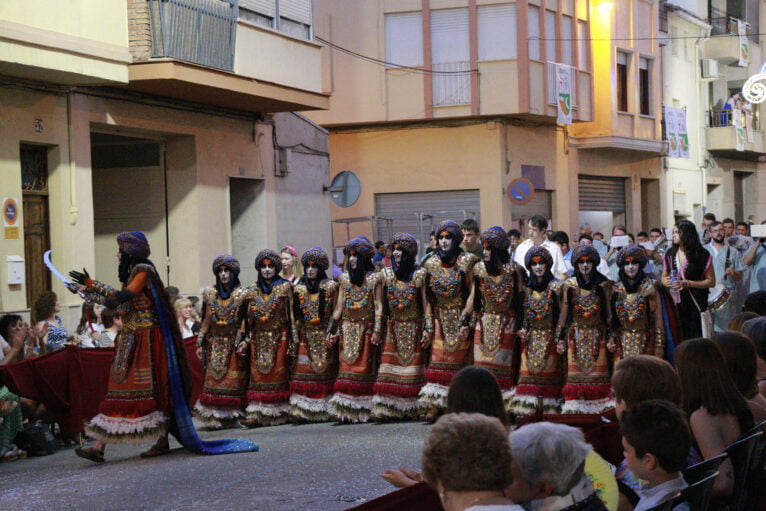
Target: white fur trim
(207,412)
(524,405)
(350,408)
(266,409)
(138,430)
(404,404)
(315,405)
(587,406)
(434,394)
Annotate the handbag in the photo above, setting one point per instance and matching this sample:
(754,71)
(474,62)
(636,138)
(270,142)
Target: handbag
(706,318)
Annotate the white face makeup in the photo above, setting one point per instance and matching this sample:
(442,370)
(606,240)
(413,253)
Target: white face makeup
(397,254)
(585,267)
(487,254)
(224,274)
(538,269)
(312,272)
(445,242)
(631,268)
(352,261)
(268,270)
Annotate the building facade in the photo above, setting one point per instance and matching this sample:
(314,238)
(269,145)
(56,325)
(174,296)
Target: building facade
(170,117)
(439,105)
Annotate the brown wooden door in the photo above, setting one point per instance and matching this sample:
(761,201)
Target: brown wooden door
(36,242)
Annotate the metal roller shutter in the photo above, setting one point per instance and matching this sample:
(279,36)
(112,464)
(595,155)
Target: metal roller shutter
(599,193)
(407,210)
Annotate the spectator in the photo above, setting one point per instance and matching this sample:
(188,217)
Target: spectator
(471,243)
(756,302)
(173,294)
(431,247)
(656,440)
(597,236)
(741,359)
(14,337)
(728,227)
(718,414)
(536,226)
(112,327)
(11,424)
(380,251)
(641,378)
(603,268)
(755,329)
(736,321)
(548,471)
(49,328)
(514,236)
(292,270)
(707,221)
(561,239)
(585,228)
(743,229)
(185,316)
(467,460)
(614,249)
(89,329)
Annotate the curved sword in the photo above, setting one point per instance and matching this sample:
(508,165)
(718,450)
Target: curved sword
(68,283)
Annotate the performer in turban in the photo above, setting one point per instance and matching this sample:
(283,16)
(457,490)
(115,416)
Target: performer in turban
(316,367)
(540,375)
(149,382)
(450,273)
(585,319)
(402,366)
(494,296)
(222,399)
(269,303)
(360,307)
(636,310)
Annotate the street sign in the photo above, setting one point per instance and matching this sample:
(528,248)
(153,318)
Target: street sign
(520,191)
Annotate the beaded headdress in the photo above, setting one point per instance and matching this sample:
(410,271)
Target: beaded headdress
(538,251)
(227,261)
(134,243)
(452,228)
(495,237)
(362,246)
(317,256)
(270,255)
(633,251)
(407,241)
(588,252)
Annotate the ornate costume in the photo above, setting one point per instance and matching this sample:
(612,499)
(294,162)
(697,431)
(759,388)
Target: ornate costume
(361,316)
(495,334)
(585,316)
(270,318)
(449,275)
(636,310)
(223,393)
(317,365)
(401,374)
(540,375)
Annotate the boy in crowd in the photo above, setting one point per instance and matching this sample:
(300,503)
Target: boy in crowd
(471,243)
(656,440)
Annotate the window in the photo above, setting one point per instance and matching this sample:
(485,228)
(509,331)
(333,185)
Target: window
(622,81)
(566,40)
(450,56)
(497,32)
(293,17)
(550,36)
(534,32)
(404,39)
(582,44)
(644,86)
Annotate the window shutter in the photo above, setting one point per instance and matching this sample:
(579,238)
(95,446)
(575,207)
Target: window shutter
(497,32)
(266,7)
(534,32)
(449,35)
(296,10)
(404,39)
(566,42)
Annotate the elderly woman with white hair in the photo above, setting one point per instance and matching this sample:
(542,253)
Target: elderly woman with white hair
(548,469)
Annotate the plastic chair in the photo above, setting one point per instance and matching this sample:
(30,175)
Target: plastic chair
(696,495)
(741,455)
(756,477)
(703,469)
(758,427)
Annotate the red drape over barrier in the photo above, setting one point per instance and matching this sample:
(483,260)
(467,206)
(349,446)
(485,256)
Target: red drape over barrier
(72,381)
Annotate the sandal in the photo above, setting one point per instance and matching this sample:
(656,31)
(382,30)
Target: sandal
(9,454)
(155,451)
(90,453)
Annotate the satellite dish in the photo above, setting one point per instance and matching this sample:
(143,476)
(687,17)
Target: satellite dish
(345,189)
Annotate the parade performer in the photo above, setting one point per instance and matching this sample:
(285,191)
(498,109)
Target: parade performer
(269,303)
(314,298)
(222,399)
(450,273)
(636,309)
(149,383)
(401,374)
(360,308)
(728,268)
(585,320)
(540,375)
(494,296)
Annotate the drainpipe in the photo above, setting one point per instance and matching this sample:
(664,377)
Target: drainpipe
(73,211)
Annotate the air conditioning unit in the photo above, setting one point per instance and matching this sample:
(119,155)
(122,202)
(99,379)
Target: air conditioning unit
(709,68)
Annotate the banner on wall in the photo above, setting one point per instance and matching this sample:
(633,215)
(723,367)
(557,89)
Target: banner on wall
(744,45)
(563,94)
(736,118)
(675,129)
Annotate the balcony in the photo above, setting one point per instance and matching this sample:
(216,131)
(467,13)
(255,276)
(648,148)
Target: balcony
(723,46)
(721,136)
(202,51)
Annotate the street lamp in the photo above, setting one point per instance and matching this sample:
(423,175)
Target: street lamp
(753,90)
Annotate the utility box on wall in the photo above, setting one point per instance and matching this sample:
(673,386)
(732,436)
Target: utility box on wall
(15,270)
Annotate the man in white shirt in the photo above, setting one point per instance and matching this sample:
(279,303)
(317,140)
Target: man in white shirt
(536,227)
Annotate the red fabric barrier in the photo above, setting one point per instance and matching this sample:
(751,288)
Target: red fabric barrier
(419,497)
(72,381)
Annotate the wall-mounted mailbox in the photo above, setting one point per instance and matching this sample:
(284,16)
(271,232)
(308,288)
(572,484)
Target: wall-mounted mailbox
(15,270)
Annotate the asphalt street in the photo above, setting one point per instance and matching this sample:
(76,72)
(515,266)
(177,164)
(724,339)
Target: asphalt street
(305,467)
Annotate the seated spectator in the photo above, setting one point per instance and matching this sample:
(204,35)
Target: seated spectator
(173,293)
(185,314)
(14,337)
(473,389)
(718,414)
(112,327)
(89,329)
(740,357)
(736,321)
(467,460)
(756,302)
(656,440)
(755,329)
(548,469)
(641,378)
(11,424)
(50,329)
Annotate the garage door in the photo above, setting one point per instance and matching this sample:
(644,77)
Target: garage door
(418,212)
(599,193)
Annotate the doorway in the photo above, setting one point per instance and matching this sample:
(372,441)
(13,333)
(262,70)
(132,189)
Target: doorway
(247,213)
(37,240)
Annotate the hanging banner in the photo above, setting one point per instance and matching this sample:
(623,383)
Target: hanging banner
(744,46)
(675,130)
(736,117)
(563,94)
(670,131)
(749,125)
(681,134)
